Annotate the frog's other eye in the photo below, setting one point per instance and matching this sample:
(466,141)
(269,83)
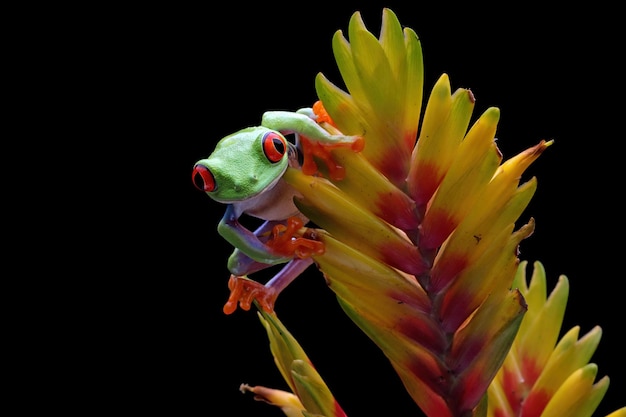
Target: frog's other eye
(203,178)
(274,146)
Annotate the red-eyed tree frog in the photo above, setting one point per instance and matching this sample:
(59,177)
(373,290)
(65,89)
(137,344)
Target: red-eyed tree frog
(245,172)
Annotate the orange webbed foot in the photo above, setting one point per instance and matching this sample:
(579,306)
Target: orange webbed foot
(285,242)
(243,291)
(311,150)
(323,151)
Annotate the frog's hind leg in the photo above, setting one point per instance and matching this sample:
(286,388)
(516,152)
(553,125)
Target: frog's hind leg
(243,291)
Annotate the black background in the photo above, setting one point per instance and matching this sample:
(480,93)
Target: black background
(183,77)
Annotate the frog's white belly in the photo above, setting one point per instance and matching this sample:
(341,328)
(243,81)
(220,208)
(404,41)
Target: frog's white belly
(275,203)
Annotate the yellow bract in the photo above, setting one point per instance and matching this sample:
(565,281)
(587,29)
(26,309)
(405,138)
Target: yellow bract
(385,80)
(540,376)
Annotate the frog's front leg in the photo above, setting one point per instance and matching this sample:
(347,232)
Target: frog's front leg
(240,263)
(246,241)
(274,242)
(316,137)
(303,124)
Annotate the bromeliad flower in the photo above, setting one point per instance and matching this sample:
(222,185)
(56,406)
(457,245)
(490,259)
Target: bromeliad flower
(540,377)
(424,261)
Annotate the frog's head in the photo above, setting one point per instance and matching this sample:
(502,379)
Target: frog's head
(243,165)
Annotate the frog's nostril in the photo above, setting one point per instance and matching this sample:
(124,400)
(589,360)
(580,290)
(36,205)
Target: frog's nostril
(203,179)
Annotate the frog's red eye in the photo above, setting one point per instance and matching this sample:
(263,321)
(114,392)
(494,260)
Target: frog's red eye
(274,146)
(203,178)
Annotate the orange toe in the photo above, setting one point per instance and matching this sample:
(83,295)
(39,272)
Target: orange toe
(321,151)
(244,292)
(285,242)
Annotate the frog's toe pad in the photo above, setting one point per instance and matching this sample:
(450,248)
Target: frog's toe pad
(243,291)
(285,241)
(323,152)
